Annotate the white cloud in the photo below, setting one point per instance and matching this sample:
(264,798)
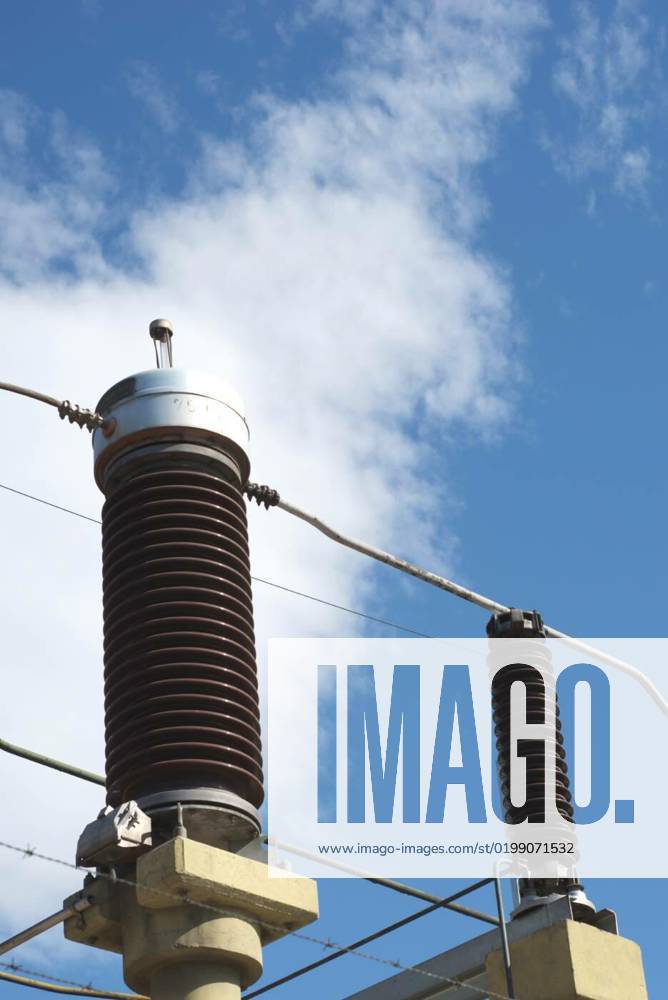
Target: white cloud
(15,115)
(54,189)
(145,84)
(208,82)
(231,21)
(633,170)
(328,267)
(605,73)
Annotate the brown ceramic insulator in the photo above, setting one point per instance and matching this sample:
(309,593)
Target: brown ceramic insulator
(181,698)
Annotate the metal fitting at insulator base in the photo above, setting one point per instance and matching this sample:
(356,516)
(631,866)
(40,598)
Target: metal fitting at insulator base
(117,835)
(181,700)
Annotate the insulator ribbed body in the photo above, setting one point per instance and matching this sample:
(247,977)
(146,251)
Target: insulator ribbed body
(181,697)
(541,709)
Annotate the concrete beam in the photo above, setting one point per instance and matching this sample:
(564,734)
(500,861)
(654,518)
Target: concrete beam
(571,961)
(215,877)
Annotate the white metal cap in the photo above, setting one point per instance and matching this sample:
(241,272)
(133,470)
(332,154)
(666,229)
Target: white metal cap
(170,404)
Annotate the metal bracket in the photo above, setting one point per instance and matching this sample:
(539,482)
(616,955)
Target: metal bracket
(119,834)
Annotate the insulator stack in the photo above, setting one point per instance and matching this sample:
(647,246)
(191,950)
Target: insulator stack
(182,720)
(541,709)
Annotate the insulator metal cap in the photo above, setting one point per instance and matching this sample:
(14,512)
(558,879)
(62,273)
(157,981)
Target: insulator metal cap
(168,406)
(515,623)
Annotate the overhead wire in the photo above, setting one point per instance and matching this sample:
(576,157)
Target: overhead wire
(21,390)
(37,981)
(48,503)
(257,579)
(407,890)
(14,966)
(360,943)
(271,498)
(425,575)
(342,607)
(181,900)
(76,414)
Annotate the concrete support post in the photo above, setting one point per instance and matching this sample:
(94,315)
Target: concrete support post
(201,981)
(162,917)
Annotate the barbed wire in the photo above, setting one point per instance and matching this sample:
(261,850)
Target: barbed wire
(14,966)
(90,988)
(34,979)
(183,900)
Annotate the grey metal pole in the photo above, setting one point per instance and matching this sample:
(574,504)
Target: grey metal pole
(57,765)
(428,897)
(505,947)
(44,925)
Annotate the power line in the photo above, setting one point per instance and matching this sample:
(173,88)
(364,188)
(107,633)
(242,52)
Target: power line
(36,980)
(21,390)
(47,503)
(31,852)
(386,883)
(257,579)
(342,607)
(66,410)
(410,890)
(14,966)
(388,929)
(271,498)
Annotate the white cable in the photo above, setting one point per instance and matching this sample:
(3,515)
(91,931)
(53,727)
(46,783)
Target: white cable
(469,595)
(71,411)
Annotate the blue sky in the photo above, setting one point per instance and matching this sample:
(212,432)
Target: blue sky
(428,244)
